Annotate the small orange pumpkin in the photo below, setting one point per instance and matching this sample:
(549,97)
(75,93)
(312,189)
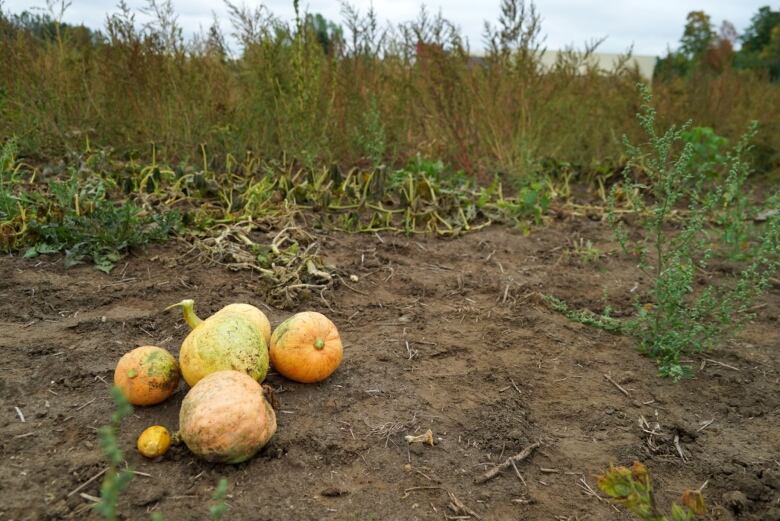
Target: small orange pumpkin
(306,347)
(225,418)
(147,375)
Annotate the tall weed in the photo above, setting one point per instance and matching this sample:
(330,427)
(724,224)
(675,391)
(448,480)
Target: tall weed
(676,204)
(304,92)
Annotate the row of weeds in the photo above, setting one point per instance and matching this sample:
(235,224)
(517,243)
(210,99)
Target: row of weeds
(95,208)
(71,211)
(362,93)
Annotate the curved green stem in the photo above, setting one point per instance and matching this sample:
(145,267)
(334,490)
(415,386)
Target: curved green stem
(187,307)
(319,344)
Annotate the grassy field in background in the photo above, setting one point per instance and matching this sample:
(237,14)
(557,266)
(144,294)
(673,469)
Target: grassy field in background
(361,94)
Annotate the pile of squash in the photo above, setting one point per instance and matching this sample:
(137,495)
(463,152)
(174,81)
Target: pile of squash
(225,416)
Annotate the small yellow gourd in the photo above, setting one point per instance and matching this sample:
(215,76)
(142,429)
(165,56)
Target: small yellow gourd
(154,441)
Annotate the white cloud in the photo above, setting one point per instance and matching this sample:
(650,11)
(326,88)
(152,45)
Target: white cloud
(649,26)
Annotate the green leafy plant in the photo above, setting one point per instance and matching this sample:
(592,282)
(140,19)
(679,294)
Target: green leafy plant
(218,509)
(85,224)
(117,478)
(708,148)
(632,489)
(13,199)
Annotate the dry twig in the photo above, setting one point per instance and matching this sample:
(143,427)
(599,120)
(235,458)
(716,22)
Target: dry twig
(619,387)
(495,471)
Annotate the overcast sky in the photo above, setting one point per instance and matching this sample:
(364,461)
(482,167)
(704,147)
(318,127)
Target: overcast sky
(650,25)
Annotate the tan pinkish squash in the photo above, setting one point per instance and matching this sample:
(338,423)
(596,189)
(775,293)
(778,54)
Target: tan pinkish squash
(225,418)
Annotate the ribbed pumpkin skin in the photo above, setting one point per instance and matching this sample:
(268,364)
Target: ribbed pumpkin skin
(294,347)
(147,375)
(225,418)
(256,316)
(226,340)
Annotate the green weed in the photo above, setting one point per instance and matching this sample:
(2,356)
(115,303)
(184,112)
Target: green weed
(585,316)
(682,312)
(117,478)
(85,224)
(584,250)
(681,319)
(218,509)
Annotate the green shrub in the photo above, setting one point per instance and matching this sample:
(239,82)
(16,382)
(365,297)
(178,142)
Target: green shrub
(674,202)
(85,224)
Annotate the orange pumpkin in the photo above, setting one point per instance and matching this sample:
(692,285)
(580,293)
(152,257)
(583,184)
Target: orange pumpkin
(225,418)
(306,347)
(147,375)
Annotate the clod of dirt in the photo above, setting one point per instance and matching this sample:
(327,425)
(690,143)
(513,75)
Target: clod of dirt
(334,492)
(771,478)
(149,495)
(735,501)
(752,487)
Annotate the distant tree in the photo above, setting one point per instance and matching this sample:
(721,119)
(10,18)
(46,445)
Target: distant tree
(701,48)
(761,43)
(673,65)
(759,34)
(697,40)
(45,28)
(328,34)
(720,55)
(698,36)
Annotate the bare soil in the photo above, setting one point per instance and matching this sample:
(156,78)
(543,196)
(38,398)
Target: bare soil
(447,335)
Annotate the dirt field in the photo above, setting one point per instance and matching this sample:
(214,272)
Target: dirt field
(489,369)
